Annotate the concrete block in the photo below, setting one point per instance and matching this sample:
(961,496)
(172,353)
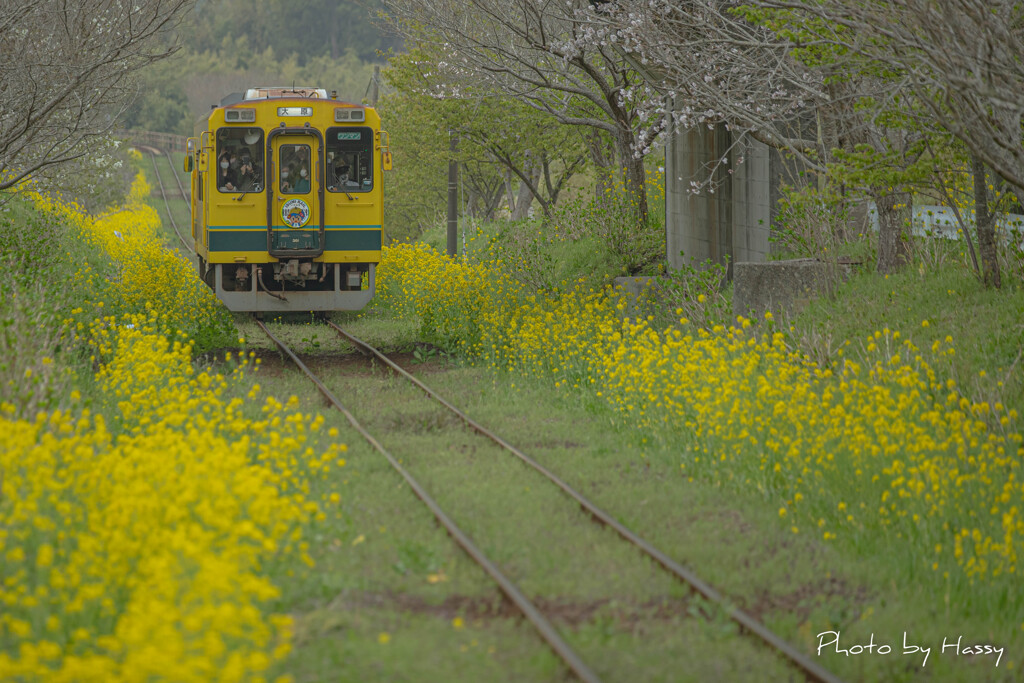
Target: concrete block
(639,292)
(782,287)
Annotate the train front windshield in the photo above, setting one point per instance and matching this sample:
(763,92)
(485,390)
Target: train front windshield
(295,174)
(349,159)
(240,160)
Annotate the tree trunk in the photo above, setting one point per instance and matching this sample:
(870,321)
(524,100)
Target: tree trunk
(511,195)
(523,201)
(525,198)
(633,175)
(596,148)
(894,216)
(986,224)
(492,200)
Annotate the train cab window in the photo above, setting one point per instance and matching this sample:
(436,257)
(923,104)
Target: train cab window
(349,159)
(294,169)
(241,149)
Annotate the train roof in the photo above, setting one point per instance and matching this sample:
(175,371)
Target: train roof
(270,92)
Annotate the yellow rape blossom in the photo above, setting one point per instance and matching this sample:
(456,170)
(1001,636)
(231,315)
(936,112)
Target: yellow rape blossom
(906,448)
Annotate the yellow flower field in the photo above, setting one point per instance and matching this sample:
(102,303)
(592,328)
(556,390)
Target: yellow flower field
(867,447)
(148,276)
(139,540)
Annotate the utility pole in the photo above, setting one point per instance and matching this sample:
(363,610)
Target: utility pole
(453,196)
(373,85)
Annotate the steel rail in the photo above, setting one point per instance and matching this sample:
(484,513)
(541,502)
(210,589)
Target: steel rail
(167,206)
(181,188)
(813,671)
(529,610)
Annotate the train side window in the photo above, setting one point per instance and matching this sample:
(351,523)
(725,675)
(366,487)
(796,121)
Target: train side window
(241,148)
(349,159)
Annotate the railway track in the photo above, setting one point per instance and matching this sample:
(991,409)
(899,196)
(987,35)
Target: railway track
(163,194)
(177,179)
(748,624)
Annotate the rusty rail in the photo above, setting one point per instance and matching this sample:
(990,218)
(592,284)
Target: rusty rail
(511,591)
(167,206)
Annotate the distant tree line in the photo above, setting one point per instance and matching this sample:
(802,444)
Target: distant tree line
(229,45)
(308,29)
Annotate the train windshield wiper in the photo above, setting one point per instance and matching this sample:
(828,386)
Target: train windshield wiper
(254,188)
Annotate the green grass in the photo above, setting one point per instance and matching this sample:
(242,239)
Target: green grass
(379,559)
(927,305)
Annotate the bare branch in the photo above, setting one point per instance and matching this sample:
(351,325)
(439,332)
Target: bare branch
(66,73)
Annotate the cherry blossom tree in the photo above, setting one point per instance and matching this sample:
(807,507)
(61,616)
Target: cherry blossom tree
(783,78)
(66,73)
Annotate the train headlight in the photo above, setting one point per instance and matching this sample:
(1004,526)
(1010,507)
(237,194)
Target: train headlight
(240,115)
(349,114)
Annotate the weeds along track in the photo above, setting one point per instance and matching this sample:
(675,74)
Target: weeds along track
(748,624)
(163,193)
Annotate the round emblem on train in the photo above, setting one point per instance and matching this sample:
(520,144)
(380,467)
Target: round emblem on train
(295,213)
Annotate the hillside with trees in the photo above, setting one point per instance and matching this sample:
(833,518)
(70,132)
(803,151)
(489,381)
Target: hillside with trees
(228,45)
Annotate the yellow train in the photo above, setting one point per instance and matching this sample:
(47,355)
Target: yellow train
(287,200)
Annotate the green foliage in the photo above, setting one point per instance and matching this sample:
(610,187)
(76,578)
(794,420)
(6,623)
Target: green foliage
(235,44)
(38,361)
(612,217)
(425,353)
(162,104)
(886,166)
(586,239)
(893,160)
(818,43)
(542,256)
(814,222)
(497,139)
(415,188)
(697,294)
(207,77)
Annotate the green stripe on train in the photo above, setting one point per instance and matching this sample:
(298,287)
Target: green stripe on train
(256,240)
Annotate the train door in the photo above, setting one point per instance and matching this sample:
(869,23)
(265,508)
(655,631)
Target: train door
(295,213)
